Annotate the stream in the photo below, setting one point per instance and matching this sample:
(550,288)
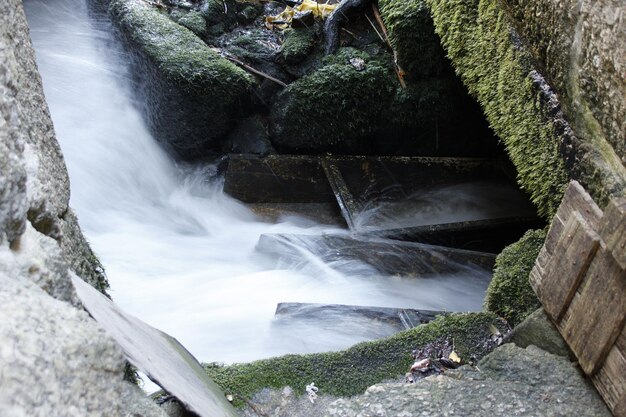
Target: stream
(178,252)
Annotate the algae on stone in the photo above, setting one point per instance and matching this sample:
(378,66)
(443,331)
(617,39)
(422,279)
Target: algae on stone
(351,371)
(193,95)
(509,294)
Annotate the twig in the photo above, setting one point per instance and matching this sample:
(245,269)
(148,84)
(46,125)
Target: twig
(349,33)
(382,25)
(248,67)
(399,71)
(374,27)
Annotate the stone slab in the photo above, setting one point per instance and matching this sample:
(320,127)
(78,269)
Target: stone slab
(158,355)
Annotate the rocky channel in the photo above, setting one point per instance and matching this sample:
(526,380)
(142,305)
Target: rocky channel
(362,115)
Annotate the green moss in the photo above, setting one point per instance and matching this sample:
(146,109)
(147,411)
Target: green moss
(351,371)
(478,39)
(335,105)
(195,22)
(298,44)
(413,37)
(178,53)
(509,294)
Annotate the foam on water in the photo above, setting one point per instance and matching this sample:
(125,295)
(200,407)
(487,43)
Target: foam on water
(179,254)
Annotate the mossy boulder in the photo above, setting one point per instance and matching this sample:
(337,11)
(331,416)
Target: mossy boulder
(298,44)
(412,34)
(346,107)
(509,294)
(334,107)
(191,94)
(351,371)
(194,21)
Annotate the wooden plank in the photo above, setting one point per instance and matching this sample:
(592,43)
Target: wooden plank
(620,408)
(610,381)
(349,207)
(536,279)
(598,318)
(621,341)
(563,273)
(613,229)
(575,199)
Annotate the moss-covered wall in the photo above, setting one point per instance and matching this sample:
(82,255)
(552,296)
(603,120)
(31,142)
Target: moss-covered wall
(520,105)
(579,47)
(351,371)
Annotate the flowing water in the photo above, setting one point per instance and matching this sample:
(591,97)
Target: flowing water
(178,252)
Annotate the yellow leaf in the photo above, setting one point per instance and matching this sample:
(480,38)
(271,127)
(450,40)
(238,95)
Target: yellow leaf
(283,19)
(454,357)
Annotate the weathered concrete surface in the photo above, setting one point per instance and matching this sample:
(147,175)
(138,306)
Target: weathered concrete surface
(580,47)
(33,181)
(547,140)
(511,382)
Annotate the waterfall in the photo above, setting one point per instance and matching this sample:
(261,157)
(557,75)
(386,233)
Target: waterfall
(178,252)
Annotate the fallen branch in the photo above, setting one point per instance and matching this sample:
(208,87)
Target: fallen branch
(248,67)
(399,71)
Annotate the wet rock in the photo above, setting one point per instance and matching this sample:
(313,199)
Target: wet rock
(538,330)
(351,371)
(192,95)
(302,19)
(220,16)
(340,108)
(509,381)
(250,137)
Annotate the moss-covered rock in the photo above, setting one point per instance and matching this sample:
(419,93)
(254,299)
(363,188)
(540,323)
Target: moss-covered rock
(519,104)
(298,44)
(194,21)
(192,94)
(333,107)
(349,107)
(411,32)
(351,371)
(509,294)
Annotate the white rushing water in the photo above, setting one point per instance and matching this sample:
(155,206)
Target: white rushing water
(179,254)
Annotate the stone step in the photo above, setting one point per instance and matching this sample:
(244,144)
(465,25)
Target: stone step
(384,256)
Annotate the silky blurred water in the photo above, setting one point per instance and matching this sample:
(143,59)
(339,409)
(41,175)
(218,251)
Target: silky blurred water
(179,254)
